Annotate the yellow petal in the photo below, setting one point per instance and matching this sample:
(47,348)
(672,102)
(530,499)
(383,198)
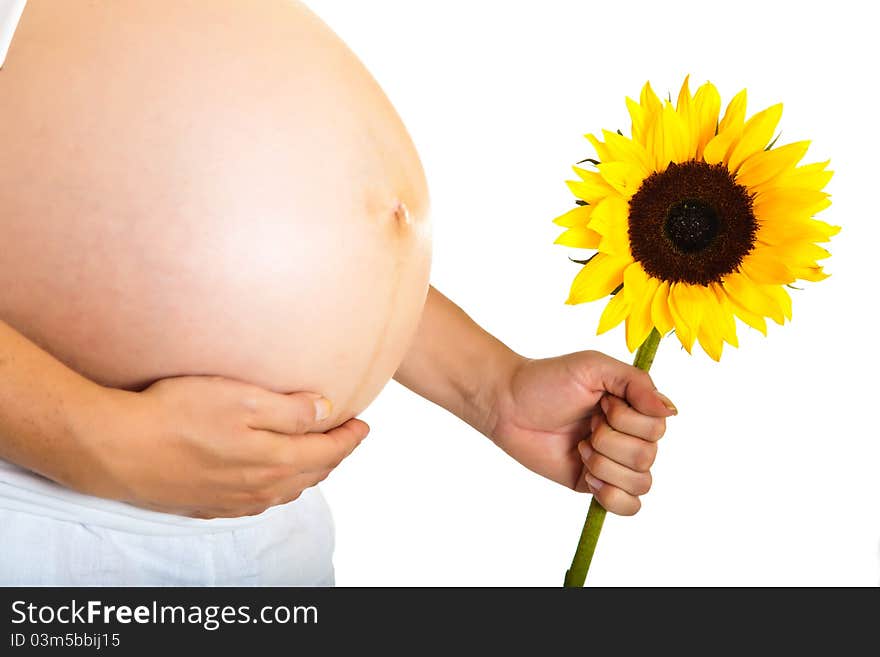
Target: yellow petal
(799,230)
(597,279)
(757,133)
(814,274)
(717,148)
(785,204)
(648,99)
(579,216)
(729,132)
(686,313)
(709,333)
(793,254)
(615,237)
(639,323)
(579,238)
(780,296)
(622,149)
(752,297)
(707,104)
(810,176)
(638,116)
(766,270)
(592,188)
(764,166)
(667,139)
(601,149)
(735,114)
(660,314)
(615,312)
(684,106)
(750,318)
(610,216)
(624,177)
(725,315)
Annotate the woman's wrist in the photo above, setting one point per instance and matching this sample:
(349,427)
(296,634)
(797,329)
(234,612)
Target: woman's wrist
(101,420)
(487,400)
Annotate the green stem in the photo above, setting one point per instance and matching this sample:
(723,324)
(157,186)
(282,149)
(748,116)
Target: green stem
(580,564)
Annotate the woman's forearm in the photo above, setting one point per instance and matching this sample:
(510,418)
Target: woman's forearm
(455,363)
(43,404)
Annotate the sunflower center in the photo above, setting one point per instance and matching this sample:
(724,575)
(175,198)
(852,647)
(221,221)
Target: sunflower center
(691,223)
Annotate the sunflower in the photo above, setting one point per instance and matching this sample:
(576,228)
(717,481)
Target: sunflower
(696,221)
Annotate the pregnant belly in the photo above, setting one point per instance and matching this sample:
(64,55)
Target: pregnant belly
(208,187)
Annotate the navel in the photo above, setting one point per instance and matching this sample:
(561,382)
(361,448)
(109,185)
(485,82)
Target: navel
(402,214)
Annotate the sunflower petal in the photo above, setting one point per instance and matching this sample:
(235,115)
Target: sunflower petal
(813,274)
(752,297)
(684,106)
(810,176)
(638,323)
(747,316)
(735,114)
(764,269)
(707,104)
(757,133)
(624,177)
(660,314)
(785,204)
(730,130)
(638,116)
(784,232)
(579,238)
(600,148)
(592,187)
(597,279)
(764,166)
(795,254)
(622,149)
(709,332)
(579,216)
(725,316)
(615,312)
(781,297)
(610,215)
(686,313)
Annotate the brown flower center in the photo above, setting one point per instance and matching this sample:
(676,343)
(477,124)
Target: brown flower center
(691,223)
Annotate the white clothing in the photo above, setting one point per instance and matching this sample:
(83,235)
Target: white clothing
(52,536)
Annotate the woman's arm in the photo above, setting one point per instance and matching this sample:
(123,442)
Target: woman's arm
(585,420)
(199,446)
(456,364)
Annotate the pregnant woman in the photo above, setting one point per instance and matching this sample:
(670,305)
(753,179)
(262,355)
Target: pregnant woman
(216,254)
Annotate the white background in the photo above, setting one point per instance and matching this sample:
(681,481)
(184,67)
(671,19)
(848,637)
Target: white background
(769,475)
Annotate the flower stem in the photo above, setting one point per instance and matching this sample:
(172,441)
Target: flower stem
(576,575)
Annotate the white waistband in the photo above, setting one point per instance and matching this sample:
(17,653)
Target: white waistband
(21,490)
(10,14)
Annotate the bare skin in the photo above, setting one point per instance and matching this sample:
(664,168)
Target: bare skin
(212,447)
(205,447)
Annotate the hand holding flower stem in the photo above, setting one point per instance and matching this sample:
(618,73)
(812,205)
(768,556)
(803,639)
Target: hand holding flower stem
(576,575)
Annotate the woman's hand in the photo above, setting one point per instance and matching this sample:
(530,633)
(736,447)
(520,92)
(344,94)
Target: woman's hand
(585,420)
(210,447)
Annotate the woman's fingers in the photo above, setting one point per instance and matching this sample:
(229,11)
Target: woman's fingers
(605,470)
(617,463)
(629,451)
(624,418)
(293,413)
(316,452)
